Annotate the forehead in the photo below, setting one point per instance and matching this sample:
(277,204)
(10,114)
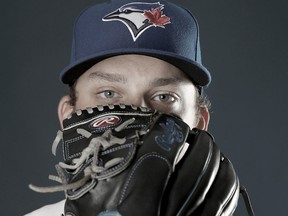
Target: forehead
(132,65)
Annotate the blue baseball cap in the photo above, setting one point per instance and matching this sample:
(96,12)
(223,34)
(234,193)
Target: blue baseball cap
(153,28)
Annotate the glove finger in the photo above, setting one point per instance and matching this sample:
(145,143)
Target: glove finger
(193,175)
(223,196)
(148,176)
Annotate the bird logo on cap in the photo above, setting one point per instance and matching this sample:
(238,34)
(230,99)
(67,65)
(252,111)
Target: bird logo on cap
(139,16)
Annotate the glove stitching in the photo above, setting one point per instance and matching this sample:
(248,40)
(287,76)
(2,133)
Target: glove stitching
(123,113)
(67,142)
(108,151)
(139,162)
(121,165)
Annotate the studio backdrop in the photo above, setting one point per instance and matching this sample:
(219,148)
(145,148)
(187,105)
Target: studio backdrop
(244,45)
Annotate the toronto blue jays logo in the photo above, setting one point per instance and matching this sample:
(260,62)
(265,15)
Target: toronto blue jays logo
(139,16)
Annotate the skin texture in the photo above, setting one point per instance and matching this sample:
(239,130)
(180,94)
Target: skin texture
(141,81)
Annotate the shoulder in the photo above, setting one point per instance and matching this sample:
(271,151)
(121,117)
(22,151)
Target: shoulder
(56,209)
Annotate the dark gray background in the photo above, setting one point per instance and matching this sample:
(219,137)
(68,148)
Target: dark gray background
(244,44)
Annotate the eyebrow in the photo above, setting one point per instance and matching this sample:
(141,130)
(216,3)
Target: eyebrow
(165,81)
(113,77)
(110,77)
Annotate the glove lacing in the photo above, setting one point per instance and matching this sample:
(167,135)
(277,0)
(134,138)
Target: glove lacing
(96,145)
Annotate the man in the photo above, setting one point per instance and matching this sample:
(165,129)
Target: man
(145,53)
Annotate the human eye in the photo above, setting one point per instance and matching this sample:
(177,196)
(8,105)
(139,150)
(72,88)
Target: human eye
(164,98)
(166,102)
(108,94)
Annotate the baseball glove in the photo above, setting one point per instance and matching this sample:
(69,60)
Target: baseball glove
(126,161)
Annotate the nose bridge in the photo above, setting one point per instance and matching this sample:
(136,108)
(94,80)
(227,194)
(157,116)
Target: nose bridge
(137,100)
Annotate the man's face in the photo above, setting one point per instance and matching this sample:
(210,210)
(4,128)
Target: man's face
(141,81)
